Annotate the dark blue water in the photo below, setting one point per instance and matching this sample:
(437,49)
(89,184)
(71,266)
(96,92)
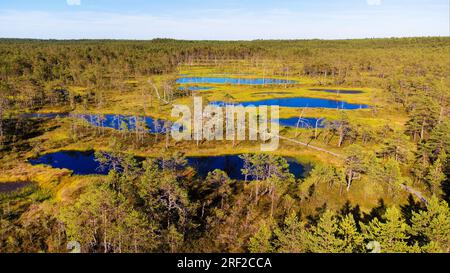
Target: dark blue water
(232,165)
(117,122)
(120,122)
(304,122)
(300,102)
(81,163)
(339,91)
(220,80)
(155,126)
(84,163)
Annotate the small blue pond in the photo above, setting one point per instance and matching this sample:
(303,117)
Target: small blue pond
(303,123)
(219,80)
(84,163)
(157,126)
(300,102)
(117,122)
(81,163)
(120,122)
(232,165)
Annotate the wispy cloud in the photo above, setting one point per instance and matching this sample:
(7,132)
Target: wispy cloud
(223,24)
(73,2)
(374,2)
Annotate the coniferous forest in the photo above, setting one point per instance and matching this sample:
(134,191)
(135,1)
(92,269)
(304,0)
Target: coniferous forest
(80,163)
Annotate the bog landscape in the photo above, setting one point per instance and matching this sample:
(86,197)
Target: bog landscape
(89,162)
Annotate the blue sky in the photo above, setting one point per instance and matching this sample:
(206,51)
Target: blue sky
(222,19)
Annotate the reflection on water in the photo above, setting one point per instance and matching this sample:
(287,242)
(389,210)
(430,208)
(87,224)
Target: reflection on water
(302,122)
(233,164)
(117,122)
(300,102)
(84,163)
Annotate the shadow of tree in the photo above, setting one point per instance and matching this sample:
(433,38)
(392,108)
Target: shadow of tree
(376,212)
(314,218)
(354,211)
(446,183)
(410,207)
(18,131)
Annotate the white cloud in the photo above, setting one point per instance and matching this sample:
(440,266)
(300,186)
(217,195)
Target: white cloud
(73,2)
(228,24)
(374,2)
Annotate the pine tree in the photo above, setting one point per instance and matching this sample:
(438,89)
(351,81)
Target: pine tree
(217,188)
(432,226)
(291,237)
(439,140)
(424,115)
(173,239)
(261,241)
(390,233)
(435,177)
(397,147)
(102,221)
(324,237)
(355,164)
(388,173)
(352,239)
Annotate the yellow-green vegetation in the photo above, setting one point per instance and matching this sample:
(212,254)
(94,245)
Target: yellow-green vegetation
(366,162)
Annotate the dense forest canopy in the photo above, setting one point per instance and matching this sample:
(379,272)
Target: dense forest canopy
(413,63)
(399,150)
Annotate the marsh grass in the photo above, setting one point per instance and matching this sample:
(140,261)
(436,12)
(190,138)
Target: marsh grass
(139,99)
